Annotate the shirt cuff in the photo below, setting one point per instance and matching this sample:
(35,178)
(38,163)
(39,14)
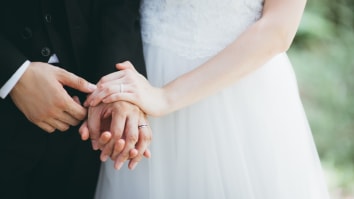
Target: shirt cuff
(8,86)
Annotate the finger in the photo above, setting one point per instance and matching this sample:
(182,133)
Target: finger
(94,127)
(126,96)
(118,148)
(141,146)
(57,124)
(84,131)
(74,81)
(131,138)
(107,150)
(46,127)
(147,153)
(74,109)
(118,123)
(104,139)
(77,100)
(103,91)
(67,118)
(125,65)
(133,153)
(111,77)
(117,126)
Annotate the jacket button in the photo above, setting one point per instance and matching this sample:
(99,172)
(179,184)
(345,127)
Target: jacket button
(26,33)
(48,18)
(45,52)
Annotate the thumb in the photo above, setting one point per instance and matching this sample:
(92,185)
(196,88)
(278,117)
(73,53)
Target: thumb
(73,81)
(125,65)
(83,131)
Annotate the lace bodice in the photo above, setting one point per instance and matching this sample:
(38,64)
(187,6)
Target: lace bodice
(196,28)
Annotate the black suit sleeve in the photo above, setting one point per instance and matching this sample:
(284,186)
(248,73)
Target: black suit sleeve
(10,60)
(118,34)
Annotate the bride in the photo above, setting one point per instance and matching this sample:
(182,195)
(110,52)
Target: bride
(223,104)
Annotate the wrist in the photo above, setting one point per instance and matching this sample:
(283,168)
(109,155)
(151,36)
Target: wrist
(11,83)
(168,101)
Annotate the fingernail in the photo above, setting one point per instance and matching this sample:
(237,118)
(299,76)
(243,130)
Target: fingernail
(92,87)
(133,165)
(104,158)
(94,145)
(119,166)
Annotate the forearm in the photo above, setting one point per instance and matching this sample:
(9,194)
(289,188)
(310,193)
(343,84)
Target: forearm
(269,36)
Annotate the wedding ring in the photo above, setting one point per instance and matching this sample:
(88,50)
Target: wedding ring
(142,126)
(121,88)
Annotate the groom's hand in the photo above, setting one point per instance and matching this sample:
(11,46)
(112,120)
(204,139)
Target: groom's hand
(113,128)
(40,95)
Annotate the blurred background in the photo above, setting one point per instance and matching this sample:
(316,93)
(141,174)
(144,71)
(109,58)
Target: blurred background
(323,59)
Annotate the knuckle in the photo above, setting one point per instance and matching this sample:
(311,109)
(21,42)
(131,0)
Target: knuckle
(64,128)
(101,85)
(124,156)
(132,138)
(103,79)
(59,71)
(80,81)
(117,133)
(49,114)
(129,72)
(82,114)
(116,150)
(106,151)
(33,119)
(75,123)
(93,134)
(62,104)
(50,130)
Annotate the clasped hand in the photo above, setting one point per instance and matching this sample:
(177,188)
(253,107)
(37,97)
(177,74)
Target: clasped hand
(114,129)
(113,107)
(121,138)
(129,85)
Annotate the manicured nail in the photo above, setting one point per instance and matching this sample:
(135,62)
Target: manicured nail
(119,165)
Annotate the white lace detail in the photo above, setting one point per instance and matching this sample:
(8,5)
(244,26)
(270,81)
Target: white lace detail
(196,28)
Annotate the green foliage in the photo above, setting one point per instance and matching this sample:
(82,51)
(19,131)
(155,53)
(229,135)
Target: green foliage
(323,58)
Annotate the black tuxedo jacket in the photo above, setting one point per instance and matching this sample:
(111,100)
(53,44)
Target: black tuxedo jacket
(88,36)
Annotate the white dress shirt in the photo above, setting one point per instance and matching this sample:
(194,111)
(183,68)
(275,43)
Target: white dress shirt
(10,84)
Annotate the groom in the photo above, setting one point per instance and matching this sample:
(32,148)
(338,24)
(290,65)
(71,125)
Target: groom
(43,44)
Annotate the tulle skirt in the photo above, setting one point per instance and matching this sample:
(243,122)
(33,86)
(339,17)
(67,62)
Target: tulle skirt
(249,141)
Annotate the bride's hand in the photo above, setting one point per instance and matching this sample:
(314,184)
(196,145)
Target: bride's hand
(129,85)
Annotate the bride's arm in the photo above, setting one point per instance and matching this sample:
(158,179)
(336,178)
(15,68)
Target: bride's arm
(272,34)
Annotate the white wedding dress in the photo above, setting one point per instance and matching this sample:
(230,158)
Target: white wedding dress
(248,141)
